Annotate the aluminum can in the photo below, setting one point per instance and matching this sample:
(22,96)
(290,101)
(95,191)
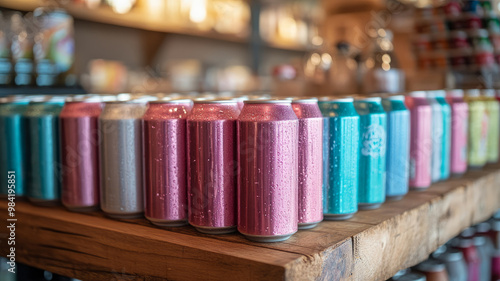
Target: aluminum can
(478,129)
(398,147)
(121,162)
(421,141)
(459,132)
(12,144)
(493,112)
(410,276)
(484,251)
(310,180)
(80,154)
(211,136)
(372,156)
(471,256)
(495,265)
(433,270)
(437,136)
(43,164)
(444,169)
(455,264)
(268,163)
(340,158)
(165,162)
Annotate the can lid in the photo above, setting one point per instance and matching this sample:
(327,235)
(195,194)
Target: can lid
(275,101)
(483,227)
(342,100)
(496,215)
(495,225)
(394,97)
(468,232)
(479,241)
(488,92)
(472,93)
(439,251)
(412,276)
(462,242)
(171,101)
(431,265)
(215,101)
(451,255)
(418,94)
(436,93)
(304,100)
(457,93)
(370,99)
(400,273)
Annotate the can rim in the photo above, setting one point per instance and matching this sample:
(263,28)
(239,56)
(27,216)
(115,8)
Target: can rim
(372,99)
(458,93)
(346,100)
(418,94)
(488,92)
(472,92)
(172,101)
(395,97)
(214,101)
(304,100)
(270,101)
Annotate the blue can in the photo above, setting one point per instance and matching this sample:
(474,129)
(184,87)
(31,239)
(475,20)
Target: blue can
(12,143)
(437,134)
(340,158)
(42,151)
(398,147)
(372,155)
(444,170)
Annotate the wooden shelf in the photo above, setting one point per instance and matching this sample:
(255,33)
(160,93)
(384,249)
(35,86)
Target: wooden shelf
(136,18)
(371,246)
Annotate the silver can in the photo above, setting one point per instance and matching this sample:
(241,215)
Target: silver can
(122,191)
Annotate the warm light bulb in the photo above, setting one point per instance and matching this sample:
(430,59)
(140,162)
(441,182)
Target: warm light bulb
(198,11)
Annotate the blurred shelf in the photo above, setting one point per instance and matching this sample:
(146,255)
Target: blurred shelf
(5,91)
(136,18)
(373,245)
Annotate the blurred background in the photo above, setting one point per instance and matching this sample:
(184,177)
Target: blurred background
(293,47)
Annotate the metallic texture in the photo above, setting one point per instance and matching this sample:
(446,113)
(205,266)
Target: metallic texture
(12,144)
(211,135)
(398,147)
(437,139)
(372,157)
(121,159)
(268,163)
(444,170)
(43,165)
(340,158)
(310,207)
(80,155)
(421,141)
(459,131)
(165,162)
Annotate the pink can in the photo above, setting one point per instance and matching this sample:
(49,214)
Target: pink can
(165,162)
(268,162)
(211,136)
(310,168)
(421,141)
(459,129)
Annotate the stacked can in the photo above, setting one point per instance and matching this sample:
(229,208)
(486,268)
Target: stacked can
(43,163)
(440,97)
(492,110)
(421,141)
(398,146)
(372,156)
(340,158)
(211,136)
(165,161)
(12,144)
(478,129)
(459,132)
(310,205)
(437,136)
(268,163)
(121,159)
(80,153)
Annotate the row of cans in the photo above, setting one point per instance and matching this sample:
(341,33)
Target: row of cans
(264,167)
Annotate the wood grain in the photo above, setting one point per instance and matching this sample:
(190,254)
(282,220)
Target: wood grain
(371,246)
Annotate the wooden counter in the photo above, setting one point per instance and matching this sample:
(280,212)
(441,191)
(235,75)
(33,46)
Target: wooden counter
(371,246)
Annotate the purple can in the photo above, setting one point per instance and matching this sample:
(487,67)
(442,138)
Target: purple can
(310,167)
(459,131)
(211,134)
(165,162)
(268,167)
(421,141)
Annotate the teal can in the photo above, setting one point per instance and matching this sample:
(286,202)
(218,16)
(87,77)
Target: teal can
(444,170)
(372,152)
(42,151)
(340,158)
(12,141)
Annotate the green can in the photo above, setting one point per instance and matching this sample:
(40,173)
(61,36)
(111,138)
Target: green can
(493,113)
(12,143)
(478,129)
(42,151)
(372,156)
